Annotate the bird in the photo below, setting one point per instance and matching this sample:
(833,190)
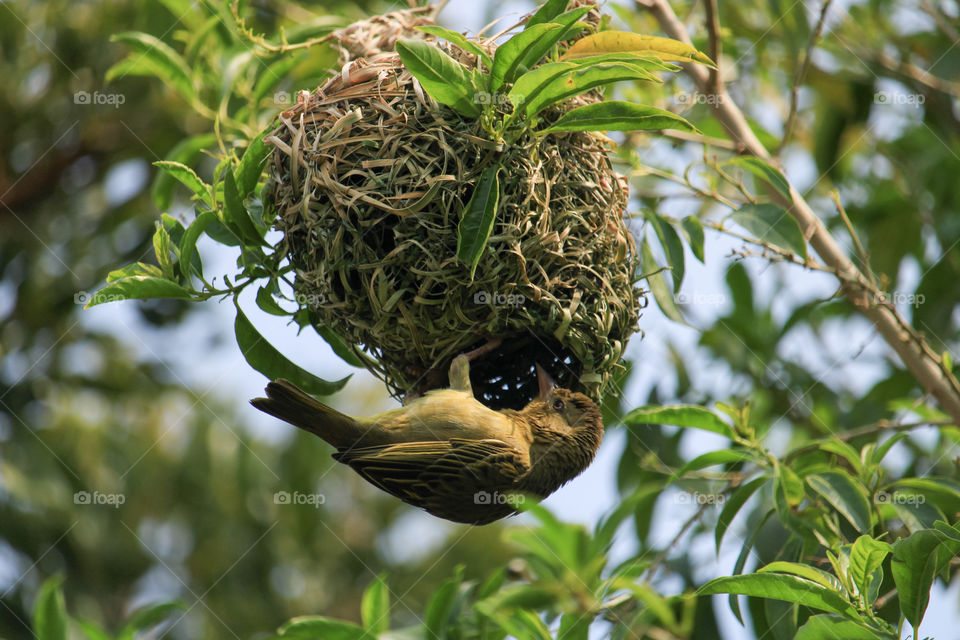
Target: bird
(449,454)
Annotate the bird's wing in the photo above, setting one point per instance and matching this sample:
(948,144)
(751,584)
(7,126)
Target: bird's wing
(440,476)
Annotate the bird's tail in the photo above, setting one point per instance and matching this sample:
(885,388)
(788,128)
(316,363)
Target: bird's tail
(289,403)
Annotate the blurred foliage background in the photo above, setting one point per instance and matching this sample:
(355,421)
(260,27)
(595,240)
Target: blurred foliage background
(81,409)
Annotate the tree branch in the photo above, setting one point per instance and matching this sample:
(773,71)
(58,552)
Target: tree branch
(925,365)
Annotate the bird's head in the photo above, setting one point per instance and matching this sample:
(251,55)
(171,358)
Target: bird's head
(567,428)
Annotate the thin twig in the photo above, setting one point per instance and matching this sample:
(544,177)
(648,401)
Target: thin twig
(715,44)
(801,74)
(858,247)
(870,429)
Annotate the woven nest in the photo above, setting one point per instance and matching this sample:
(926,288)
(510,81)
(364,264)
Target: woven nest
(370,177)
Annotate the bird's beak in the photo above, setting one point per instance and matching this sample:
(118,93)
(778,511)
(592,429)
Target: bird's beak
(547,385)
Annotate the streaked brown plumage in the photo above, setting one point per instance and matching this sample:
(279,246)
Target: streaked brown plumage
(449,454)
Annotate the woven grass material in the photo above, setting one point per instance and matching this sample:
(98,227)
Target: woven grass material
(379,34)
(370,177)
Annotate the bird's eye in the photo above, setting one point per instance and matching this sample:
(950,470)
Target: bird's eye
(558,405)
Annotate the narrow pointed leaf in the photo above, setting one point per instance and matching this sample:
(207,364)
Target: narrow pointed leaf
(781,587)
(375,607)
(733,505)
(478,218)
(550,10)
(185,152)
(50,621)
(690,416)
(157,56)
(262,356)
(658,285)
(693,230)
(460,40)
(138,288)
(617,115)
(766,172)
(621,41)
(831,627)
(845,496)
(569,79)
(444,78)
(772,224)
(189,178)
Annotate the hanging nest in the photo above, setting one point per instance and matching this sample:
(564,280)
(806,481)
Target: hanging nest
(370,178)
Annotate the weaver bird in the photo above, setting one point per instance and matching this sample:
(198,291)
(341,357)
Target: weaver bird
(447,453)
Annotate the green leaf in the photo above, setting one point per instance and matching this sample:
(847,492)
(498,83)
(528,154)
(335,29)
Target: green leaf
(575,626)
(693,230)
(724,456)
(742,557)
(315,627)
(690,416)
(557,81)
(831,627)
(344,350)
(866,557)
(156,57)
(135,269)
(460,40)
(616,115)
(375,607)
(781,587)
(251,164)
(772,224)
(478,218)
(188,178)
(845,496)
(188,245)
(672,247)
(806,571)
(138,288)
(658,285)
(161,247)
(913,567)
(263,357)
(522,51)
(267,304)
(882,450)
(550,10)
(443,77)
(733,505)
(50,621)
(235,215)
(790,484)
(147,617)
(92,631)
(185,151)
(439,609)
(766,172)
(623,41)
